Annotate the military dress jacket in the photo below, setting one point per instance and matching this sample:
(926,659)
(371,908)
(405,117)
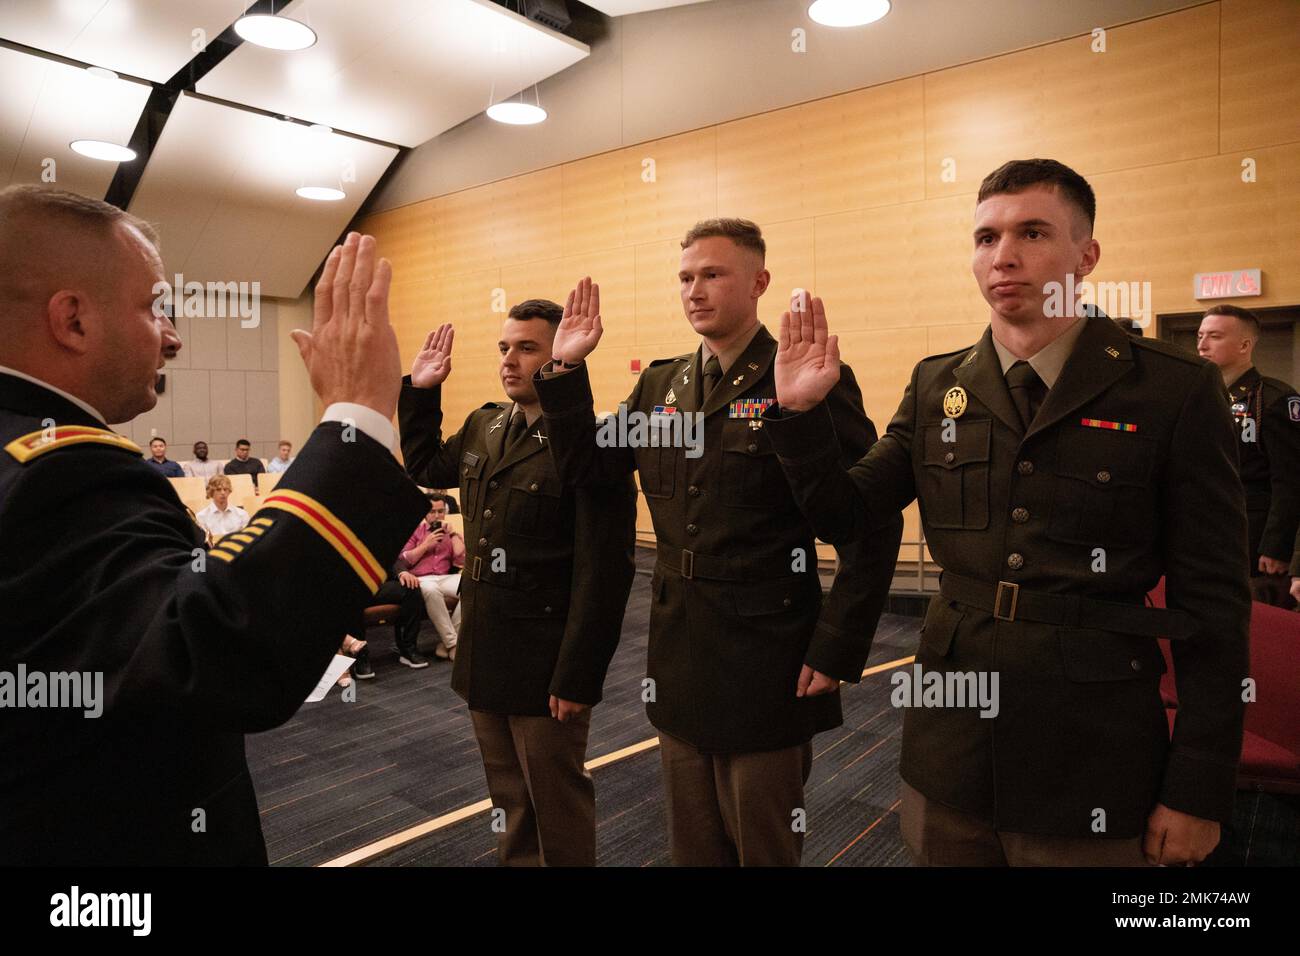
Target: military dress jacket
(1049,539)
(102,571)
(547,569)
(1267,413)
(737,601)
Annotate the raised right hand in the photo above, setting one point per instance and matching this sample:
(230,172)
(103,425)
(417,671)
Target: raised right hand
(580,329)
(351,351)
(807,360)
(432,363)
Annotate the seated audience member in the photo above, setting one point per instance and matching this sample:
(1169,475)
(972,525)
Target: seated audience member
(158,458)
(220,517)
(431,555)
(452,507)
(404,590)
(281,461)
(243,463)
(201,466)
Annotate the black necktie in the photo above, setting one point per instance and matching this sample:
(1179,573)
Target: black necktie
(518,426)
(1027,390)
(712,374)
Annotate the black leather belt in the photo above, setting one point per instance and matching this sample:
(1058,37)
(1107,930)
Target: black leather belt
(692,564)
(1008,601)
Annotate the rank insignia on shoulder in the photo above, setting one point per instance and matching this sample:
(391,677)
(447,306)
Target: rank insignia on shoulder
(954,402)
(1293,408)
(1112,426)
(35,444)
(749,407)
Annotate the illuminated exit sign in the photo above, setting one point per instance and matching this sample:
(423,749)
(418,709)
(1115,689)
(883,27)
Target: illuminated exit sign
(1226,285)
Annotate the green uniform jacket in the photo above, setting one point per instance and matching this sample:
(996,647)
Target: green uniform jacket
(1268,412)
(98,573)
(737,603)
(547,569)
(1127,473)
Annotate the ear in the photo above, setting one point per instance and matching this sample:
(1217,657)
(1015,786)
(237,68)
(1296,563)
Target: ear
(1089,256)
(761,281)
(65,316)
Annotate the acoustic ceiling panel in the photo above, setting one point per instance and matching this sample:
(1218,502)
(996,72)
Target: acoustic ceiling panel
(46,105)
(619,8)
(144,38)
(397,70)
(221,184)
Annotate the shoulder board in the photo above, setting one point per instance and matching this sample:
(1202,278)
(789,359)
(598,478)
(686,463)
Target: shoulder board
(955,352)
(1162,347)
(495,406)
(676,358)
(35,444)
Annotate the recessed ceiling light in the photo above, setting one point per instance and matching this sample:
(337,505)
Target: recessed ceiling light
(516,114)
(847,13)
(98,149)
(322,193)
(275,33)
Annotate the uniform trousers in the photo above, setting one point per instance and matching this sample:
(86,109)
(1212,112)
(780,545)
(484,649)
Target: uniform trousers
(939,835)
(735,809)
(536,774)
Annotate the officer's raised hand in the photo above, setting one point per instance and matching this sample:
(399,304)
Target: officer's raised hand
(351,351)
(579,330)
(432,363)
(807,359)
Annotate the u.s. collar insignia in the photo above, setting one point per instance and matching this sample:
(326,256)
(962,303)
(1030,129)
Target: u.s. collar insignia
(670,398)
(954,402)
(1112,351)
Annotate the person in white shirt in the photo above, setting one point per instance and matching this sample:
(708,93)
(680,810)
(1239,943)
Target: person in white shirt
(201,466)
(282,461)
(220,517)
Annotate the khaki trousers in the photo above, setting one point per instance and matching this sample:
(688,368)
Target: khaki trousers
(535,773)
(740,809)
(938,835)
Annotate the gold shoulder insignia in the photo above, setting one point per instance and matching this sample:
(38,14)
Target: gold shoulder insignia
(38,443)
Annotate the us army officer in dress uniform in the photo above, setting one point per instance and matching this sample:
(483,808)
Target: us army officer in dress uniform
(745,658)
(546,580)
(102,569)
(1062,466)
(1267,414)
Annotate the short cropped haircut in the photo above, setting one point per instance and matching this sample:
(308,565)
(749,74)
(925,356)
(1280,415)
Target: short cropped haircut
(742,232)
(1244,316)
(545,309)
(243,442)
(46,203)
(1021,174)
(157,438)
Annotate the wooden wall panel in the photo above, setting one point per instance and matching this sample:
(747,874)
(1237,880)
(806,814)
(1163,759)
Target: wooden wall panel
(1260,69)
(1152,97)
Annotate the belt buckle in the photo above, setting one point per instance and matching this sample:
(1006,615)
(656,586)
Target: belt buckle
(997,601)
(688,564)
(478,564)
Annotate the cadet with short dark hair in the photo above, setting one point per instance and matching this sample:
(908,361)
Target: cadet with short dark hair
(1267,414)
(1062,467)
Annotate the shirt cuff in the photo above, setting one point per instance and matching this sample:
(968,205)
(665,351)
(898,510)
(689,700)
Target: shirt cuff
(367,419)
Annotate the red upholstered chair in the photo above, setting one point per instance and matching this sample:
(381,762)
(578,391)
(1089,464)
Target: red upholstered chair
(1270,749)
